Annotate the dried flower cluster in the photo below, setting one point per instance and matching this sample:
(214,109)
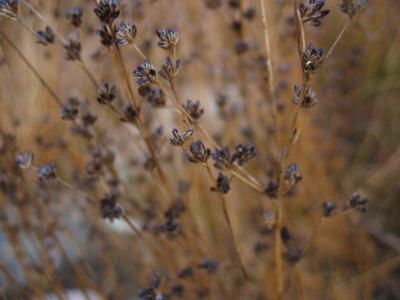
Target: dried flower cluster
(74,15)
(207,226)
(9,9)
(313,11)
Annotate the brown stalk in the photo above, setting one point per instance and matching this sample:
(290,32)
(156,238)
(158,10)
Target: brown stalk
(271,83)
(230,228)
(32,68)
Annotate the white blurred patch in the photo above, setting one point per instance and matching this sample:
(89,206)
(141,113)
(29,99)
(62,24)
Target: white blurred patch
(74,294)
(120,226)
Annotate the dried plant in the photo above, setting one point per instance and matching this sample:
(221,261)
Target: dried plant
(116,184)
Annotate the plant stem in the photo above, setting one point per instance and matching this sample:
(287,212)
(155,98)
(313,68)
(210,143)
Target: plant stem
(230,228)
(271,85)
(338,38)
(32,68)
(44,20)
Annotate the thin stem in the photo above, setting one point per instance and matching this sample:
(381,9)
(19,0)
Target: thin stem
(248,182)
(230,228)
(338,38)
(26,27)
(80,61)
(271,85)
(176,101)
(117,112)
(278,251)
(132,226)
(313,236)
(147,139)
(139,51)
(88,73)
(32,68)
(44,20)
(126,78)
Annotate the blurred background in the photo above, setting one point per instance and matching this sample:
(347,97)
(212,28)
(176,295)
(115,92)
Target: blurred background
(54,241)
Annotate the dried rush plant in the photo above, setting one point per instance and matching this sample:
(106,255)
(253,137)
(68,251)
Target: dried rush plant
(173,193)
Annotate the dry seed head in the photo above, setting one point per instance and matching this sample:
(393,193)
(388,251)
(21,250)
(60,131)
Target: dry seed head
(309,100)
(168,38)
(46,171)
(74,15)
(106,37)
(222,158)
(107,11)
(73,50)
(200,153)
(328,208)
(145,73)
(292,174)
(312,57)
(178,138)
(69,111)
(358,202)
(106,93)
(313,11)
(222,184)
(193,108)
(352,7)
(46,36)
(169,69)
(9,9)
(243,153)
(125,33)
(109,208)
(24,159)
(130,114)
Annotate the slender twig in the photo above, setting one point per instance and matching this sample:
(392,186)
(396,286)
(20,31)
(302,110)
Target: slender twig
(175,100)
(63,40)
(338,38)
(44,20)
(32,68)
(248,182)
(271,84)
(230,228)
(139,51)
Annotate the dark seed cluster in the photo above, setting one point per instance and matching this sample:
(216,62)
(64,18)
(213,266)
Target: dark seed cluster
(194,109)
(106,37)
(222,184)
(73,50)
(46,36)
(352,7)
(168,38)
(179,139)
(328,208)
(358,202)
(313,11)
(153,95)
(243,153)
(9,9)
(46,172)
(24,159)
(109,208)
(200,153)
(106,93)
(312,57)
(145,73)
(107,10)
(292,174)
(74,15)
(309,98)
(125,33)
